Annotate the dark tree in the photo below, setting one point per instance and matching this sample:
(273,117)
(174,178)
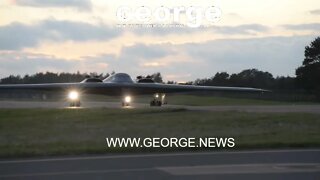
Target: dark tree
(284,83)
(252,78)
(12,80)
(221,79)
(308,75)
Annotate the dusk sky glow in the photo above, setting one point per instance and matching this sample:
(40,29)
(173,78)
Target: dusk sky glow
(82,35)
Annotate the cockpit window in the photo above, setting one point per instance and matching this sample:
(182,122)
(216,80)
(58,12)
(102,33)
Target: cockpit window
(119,78)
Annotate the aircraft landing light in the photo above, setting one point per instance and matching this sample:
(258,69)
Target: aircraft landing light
(73,95)
(127,99)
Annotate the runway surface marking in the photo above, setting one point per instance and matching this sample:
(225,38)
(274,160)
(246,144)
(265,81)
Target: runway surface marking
(242,169)
(153,155)
(276,163)
(196,170)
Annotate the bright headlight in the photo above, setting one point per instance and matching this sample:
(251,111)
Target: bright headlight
(73,95)
(127,99)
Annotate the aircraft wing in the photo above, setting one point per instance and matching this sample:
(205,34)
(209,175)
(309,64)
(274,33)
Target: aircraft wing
(151,88)
(124,88)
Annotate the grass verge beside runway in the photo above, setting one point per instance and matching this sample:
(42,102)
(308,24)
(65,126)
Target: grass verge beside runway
(200,100)
(178,99)
(30,132)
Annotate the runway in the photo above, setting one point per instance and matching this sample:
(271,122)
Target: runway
(98,104)
(263,164)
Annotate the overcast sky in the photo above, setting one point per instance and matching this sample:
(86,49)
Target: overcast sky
(72,35)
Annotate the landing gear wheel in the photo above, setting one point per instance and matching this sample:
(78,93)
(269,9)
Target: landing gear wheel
(158,100)
(155,103)
(75,104)
(124,104)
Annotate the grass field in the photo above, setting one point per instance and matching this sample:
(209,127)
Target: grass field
(214,100)
(30,132)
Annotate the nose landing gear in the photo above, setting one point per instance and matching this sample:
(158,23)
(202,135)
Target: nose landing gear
(74,99)
(126,101)
(158,100)
(75,103)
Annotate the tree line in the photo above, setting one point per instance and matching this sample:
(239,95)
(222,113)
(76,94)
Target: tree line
(51,77)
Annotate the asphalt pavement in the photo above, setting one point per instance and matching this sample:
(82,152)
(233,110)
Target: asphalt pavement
(259,164)
(98,104)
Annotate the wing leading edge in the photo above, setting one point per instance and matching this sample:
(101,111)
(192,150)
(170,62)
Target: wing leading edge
(128,88)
